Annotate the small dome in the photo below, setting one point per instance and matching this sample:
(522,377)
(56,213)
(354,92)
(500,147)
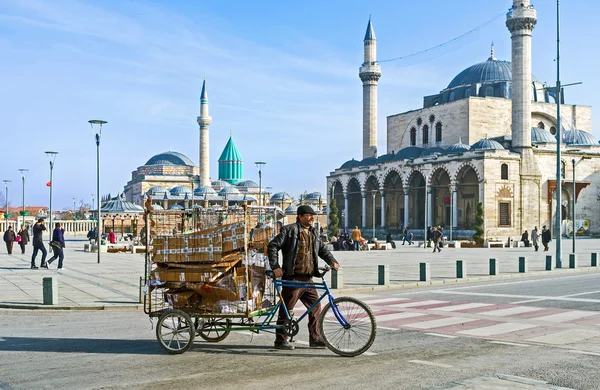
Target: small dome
(540,136)
(247,184)
(281,196)
(433,151)
(156,206)
(456,148)
(157,190)
(409,152)
(368,161)
(121,206)
(170,158)
(579,137)
(220,184)
(180,190)
(176,207)
(385,158)
(487,144)
(314,195)
(229,191)
(350,164)
(205,190)
(291,209)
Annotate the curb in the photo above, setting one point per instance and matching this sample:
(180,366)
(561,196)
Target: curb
(36,306)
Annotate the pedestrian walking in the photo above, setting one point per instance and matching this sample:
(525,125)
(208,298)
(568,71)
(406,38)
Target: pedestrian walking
(93,235)
(38,244)
(546,237)
(437,239)
(356,235)
(301,250)
(407,236)
(111,237)
(429,236)
(9,239)
(24,238)
(57,244)
(535,238)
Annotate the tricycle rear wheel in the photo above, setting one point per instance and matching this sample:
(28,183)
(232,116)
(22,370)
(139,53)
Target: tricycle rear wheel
(175,331)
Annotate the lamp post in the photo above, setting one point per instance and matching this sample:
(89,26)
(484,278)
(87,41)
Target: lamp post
(259,165)
(23,175)
(96,126)
(558,189)
(374,193)
(51,158)
(6,201)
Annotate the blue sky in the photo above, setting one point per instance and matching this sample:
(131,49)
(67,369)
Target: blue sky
(283,76)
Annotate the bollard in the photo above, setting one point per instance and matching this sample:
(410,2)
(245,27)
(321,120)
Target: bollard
(494,267)
(50,290)
(424,272)
(461,269)
(594,259)
(523,267)
(572,260)
(337,280)
(548,263)
(384,275)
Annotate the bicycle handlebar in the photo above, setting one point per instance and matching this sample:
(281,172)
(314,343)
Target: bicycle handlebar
(322,271)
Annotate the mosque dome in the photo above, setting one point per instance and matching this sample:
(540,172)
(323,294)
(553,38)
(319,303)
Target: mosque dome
(157,206)
(205,190)
(386,157)
(368,161)
(490,71)
(247,184)
(291,209)
(170,158)
(350,164)
(487,144)
(176,207)
(314,196)
(432,151)
(578,137)
(540,136)
(281,196)
(456,148)
(229,191)
(157,190)
(121,206)
(409,152)
(180,190)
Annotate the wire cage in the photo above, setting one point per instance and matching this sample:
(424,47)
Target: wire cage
(209,262)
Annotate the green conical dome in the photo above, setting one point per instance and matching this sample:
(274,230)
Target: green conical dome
(231,166)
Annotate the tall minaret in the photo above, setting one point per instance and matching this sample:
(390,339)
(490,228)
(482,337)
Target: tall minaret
(520,21)
(204,120)
(370,73)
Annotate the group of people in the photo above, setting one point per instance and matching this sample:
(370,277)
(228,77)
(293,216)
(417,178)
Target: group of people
(22,238)
(535,238)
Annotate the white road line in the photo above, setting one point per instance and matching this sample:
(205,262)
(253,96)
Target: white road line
(491,330)
(563,296)
(511,311)
(447,292)
(396,316)
(383,300)
(461,307)
(430,363)
(440,322)
(448,336)
(566,336)
(566,316)
(507,343)
(420,303)
(519,282)
(585,352)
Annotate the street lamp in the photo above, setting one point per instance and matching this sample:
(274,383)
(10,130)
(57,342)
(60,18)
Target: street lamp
(51,158)
(259,165)
(23,175)
(374,193)
(6,201)
(96,125)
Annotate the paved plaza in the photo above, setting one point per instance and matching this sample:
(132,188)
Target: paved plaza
(115,282)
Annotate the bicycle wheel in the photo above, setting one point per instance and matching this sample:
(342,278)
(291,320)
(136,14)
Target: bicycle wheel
(214,330)
(175,331)
(359,333)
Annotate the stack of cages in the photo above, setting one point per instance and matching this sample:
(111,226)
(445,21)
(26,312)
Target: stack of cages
(210,262)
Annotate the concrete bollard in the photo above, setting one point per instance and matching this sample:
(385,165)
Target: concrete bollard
(494,267)
(50,290)
(594,259)
(383,275)
(337,280)
(523,266)
(548,263)
(461,269)
(572,260)
(424,272)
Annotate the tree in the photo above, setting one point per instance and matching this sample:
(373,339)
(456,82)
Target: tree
(478,236)
(332,228)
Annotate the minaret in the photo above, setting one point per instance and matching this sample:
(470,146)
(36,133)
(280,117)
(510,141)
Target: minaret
(204,120)
(520,21)
(370,73)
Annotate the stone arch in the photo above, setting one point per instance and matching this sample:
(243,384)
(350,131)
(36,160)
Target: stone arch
(416,199)
(462,166)
(394,198)
(467,180)
(436,168)
(370,177)
(504,192)
(439,186)
(354,194)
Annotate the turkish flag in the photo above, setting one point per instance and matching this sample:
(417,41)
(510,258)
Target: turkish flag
(49,184)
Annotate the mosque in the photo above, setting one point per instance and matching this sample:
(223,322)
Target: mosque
(489,137)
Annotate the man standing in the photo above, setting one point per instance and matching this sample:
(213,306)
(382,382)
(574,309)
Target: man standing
(9,239)
(535,238)
(546,237)
(301,249)
(38,243)
(437,238)
(356,235)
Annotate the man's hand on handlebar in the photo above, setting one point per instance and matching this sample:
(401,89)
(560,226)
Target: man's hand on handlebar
(278,272)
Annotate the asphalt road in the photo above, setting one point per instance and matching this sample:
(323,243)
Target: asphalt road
(118,349)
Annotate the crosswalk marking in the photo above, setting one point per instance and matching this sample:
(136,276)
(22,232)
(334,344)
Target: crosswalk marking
(417,303)
(511,311)
(383,300)
(397,316)
(440,322)
(566,316)
(566,336)
(492,330)
(463,306)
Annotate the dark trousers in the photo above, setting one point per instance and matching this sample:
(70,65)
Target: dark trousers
(9,247)
(22,245)
(545,246)
(35,251)
(307,296)
(437,245)
(58,252)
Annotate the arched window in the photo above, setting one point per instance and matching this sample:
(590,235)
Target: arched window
(425,135)
(504,172)
(553,130)
(438,132)
(419,121)
(431,118)
(541,125)
(413,136)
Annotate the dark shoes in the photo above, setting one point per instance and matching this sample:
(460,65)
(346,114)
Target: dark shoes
(34,267)
(44,265)
(285,345)
(317,344)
